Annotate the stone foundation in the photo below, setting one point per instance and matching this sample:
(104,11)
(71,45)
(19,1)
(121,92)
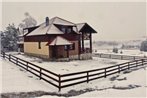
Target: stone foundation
(85,56)
(38,55)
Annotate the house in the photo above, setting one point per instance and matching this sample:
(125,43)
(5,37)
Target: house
(57,38)
(20,41)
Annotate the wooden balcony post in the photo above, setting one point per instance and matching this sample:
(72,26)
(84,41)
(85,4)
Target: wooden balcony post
(82,42)
(90,37)
(79,47)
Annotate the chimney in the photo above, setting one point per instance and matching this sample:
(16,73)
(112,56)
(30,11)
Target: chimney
(47,21)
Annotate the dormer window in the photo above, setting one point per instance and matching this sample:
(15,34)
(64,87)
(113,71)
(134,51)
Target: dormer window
(63,29)
(68,30)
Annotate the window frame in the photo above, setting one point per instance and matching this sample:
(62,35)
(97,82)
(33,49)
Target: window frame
(69,47)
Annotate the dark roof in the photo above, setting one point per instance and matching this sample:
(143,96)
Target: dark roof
(30,29)
(85,28)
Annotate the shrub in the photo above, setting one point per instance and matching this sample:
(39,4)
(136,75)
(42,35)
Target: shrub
(115,50)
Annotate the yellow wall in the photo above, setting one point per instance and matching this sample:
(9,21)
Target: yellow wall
(32,47)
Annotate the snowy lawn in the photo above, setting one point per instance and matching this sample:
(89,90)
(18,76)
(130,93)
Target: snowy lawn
(72,66)
(124,52)
(128,84)
(16,80)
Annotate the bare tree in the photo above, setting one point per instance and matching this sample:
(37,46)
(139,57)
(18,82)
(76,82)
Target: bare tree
(29,21)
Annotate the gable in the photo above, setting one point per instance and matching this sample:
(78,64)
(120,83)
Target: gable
(85,28)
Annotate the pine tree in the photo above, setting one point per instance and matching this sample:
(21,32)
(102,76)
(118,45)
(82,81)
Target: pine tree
(9,38)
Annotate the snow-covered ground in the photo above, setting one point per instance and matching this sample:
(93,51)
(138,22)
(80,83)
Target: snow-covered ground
(72,66)
(132,52)
(128,84)
(15,79)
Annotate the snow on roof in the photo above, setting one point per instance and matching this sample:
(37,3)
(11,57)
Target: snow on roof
(51,28)
(61,21)
(41,30)
(80,25)
(60,41)
(20,42)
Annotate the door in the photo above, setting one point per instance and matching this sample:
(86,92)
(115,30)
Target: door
(53,52)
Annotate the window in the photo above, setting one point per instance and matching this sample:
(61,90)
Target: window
(68,30)
(72,47)
(65,47)
(63,29)
(39,45)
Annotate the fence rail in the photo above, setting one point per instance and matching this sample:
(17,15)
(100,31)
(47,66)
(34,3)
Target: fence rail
(120,57)
(70,79)
(40,72)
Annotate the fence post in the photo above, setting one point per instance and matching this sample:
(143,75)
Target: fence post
(118,68)
(100,55)
(105,73)
(16,61)
(142,62)
(27,66)
(136,63)
(40,74)
(128,65)
(121,57)
(9,57)
(87,76)
(3,54)
(110,56)
(134,57)
(59,82)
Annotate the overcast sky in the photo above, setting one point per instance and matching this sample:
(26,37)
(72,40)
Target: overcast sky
(112,20)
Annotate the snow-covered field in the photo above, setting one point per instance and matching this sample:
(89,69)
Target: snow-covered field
(132,52)
(126,84)
(72,66)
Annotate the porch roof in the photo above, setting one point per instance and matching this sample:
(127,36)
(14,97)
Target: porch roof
(59,41)
(85,28)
